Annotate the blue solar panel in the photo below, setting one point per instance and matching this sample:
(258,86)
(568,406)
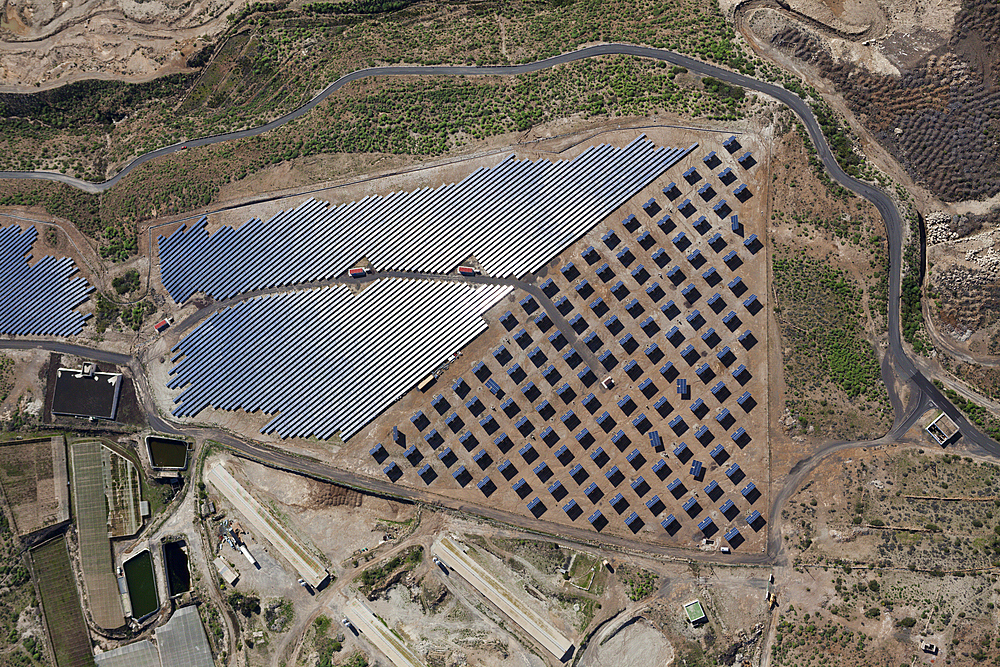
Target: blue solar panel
(216,357)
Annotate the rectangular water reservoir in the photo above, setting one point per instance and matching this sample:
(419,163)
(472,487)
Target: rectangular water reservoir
(167,453)
(141,584)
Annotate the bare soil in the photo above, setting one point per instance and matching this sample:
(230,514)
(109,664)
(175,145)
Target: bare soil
(45,43)
(866,534)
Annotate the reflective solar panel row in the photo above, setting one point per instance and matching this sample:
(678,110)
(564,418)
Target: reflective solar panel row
(326,359)
(37,300)
(543,207)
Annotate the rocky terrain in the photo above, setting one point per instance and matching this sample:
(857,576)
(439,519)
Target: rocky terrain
(47,43)
(925,91)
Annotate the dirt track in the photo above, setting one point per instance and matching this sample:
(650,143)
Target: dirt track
(45,45)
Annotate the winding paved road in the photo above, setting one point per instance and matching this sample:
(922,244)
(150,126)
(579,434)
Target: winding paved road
(895,364)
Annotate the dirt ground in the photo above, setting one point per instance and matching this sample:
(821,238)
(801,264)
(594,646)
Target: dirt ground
(44,43)
(884,535)
(340,522)
(752,458)
(33,484)
(636,644)
(27,387)
(797,216)
(443,619)
(881,36)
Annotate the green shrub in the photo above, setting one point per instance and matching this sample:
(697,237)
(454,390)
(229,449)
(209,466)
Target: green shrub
(127,282)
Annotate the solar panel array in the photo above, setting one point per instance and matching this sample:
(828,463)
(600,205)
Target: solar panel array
(531,373)
(37,300)
(327,360)
(512,218)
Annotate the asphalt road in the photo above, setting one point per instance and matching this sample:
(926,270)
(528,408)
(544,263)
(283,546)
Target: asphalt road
(923,396)
(67,348)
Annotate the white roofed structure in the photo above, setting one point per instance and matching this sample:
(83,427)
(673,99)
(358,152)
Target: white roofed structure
(508,601)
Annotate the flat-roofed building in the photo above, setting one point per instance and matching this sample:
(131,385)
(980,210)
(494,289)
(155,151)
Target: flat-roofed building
(182,640)
(140,654)
(86,393)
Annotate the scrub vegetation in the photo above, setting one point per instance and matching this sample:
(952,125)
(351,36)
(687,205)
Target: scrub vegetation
(375,578)
(275,58)
(638,583)
(821,314)
(894,548)
(17,598)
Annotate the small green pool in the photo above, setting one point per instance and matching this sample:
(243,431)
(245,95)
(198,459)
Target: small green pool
(141,584)
(167,452)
